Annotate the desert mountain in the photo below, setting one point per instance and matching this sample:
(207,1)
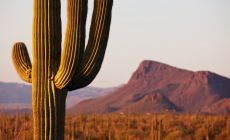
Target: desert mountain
(15,96)
(158,87)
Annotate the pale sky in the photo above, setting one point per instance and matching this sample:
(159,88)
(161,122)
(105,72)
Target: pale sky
(189,34)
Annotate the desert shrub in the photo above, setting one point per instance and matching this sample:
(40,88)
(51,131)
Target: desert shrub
(126,127)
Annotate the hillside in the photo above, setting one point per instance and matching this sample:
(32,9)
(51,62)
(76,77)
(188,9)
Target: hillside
(158,87)
(15,96)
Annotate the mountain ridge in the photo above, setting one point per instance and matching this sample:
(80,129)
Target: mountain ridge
(182,90)
(17,96)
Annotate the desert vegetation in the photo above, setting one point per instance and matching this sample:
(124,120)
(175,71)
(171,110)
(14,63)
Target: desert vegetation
(126,127)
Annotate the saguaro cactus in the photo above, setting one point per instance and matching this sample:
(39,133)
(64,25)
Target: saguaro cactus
(52,75)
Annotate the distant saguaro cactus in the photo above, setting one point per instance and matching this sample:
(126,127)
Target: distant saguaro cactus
(53,74)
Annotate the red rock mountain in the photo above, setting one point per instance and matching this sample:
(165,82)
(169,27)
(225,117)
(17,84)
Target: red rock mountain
(157,87)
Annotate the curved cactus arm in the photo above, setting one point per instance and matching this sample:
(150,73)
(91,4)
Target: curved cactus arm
(95,50)
(21,61)
(74,42)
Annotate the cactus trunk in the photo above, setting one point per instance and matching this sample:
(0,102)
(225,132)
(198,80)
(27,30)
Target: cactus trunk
(46,45)
(48,102)
(49,113)
(53,73)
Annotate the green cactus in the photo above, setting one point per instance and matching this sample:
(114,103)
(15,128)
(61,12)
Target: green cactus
(53,73)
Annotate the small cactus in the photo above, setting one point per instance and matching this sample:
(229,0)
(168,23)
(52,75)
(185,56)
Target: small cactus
(156,128)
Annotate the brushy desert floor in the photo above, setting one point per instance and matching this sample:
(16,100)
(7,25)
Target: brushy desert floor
(126,127)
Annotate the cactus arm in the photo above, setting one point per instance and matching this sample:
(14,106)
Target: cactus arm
(95,50)
(21,61)
(74,42)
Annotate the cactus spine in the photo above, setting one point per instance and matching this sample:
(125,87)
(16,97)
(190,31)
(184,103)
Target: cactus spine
(53,73)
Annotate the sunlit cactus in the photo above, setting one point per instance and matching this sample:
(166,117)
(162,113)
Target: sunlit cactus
(156,128)
(53,73)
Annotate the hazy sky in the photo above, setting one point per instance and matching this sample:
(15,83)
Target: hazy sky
(190,34)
